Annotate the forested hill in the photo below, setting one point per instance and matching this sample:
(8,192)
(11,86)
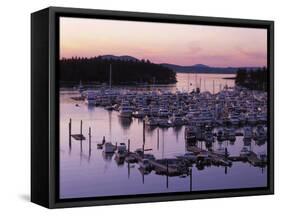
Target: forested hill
(124,71)
(252,79)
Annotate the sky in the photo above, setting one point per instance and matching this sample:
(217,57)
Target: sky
(164,42)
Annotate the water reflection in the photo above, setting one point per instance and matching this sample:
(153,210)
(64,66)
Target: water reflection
(88,171)
(125,122)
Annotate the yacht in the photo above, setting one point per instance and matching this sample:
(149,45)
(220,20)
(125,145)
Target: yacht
(163,113)
(90,98)
(145,164)
(176,120)
(245,152)
(163,122)
(259,133)
(248,133)
(187,156)
(126,110)
(151,121)
(190,134)
(109,148)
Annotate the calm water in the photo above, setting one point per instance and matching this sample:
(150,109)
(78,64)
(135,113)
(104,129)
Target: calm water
(85,173)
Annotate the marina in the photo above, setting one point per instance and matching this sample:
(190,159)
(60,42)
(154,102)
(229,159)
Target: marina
(162,131)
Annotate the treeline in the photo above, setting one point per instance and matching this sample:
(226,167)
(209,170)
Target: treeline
(97,70)
(255,79)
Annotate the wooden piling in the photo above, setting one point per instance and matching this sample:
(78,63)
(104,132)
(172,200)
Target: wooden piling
(167,175)
(129,145)
(69,131)
(81,125)
(190,179)
(143,132)
(90,135)
(167,166)
(157,138)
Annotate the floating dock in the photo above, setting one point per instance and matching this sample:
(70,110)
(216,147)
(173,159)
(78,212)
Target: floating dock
(78,136)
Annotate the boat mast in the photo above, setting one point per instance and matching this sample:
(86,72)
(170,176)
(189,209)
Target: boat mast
(195,81)
(110,78)
(187,82)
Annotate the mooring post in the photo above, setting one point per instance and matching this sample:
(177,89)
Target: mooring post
(190,181)
(103,140)
(129,171)
(129,143)
(167,166)
(69,131)
(167,175)
(225,153)
(157,138)
(90,138)
(143,131)
(81,124)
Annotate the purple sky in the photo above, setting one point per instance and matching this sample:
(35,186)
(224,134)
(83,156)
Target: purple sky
(164,43)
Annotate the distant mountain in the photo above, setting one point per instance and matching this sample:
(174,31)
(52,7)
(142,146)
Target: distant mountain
(196,68)
(201,68)
(121,58)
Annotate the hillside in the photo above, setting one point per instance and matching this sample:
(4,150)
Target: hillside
(125,70)
(200,68)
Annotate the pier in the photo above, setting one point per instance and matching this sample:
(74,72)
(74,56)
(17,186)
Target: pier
(79,136)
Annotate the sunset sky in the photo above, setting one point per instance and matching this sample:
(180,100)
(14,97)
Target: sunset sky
(164,43)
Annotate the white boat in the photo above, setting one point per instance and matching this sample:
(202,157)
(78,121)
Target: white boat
(90,98)
(245,152)
(190,134)
(121,152)
(248,134)
(163,112)
(139,114)
(176,120)
(187,156)
(259,133)
(145,164)
(126,110)
(121,147)
(109,148)
(151,121)
(163,122)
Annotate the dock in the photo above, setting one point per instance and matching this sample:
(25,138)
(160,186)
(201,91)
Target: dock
(254,160)
(216,159)
(78,136)
(162,169)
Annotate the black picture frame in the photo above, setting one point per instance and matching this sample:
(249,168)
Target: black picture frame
(45,100)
